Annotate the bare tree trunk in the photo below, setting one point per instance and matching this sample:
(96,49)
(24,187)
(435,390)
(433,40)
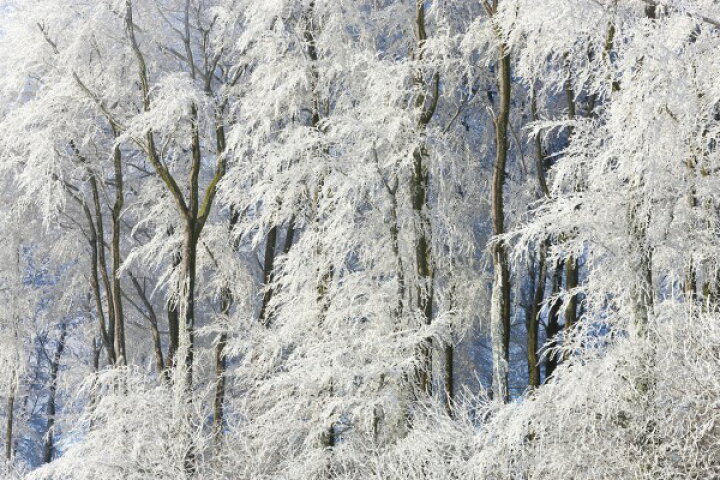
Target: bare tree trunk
(103,265)
(289,236)
(571,282)
(49,446)
(539,294)
(152,319)
(95,245)
(92,401)
(391,188)
(173,318)
(639,251)
(642,289)
(187,307)
(534,320)
(571,264)
(194,210)
(220,355)
(449,379)
(268,269)
(219,401)
(120,353)
(553,324)
(426,102)
(220,368)
(651,9)
(9,425)
(500,307)
(540,157)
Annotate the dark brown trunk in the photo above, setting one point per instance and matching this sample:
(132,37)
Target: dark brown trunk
(552,329)
(103,265)
(152,319)
(651,9)
(423,290)
(426,103)
(534,320)
(93,240)
(449,379)
(173,318)
(501,296)
(268,274)
(571,282)
(571,263)
(220,354)
(120,353)
(289,236)
(49,446)
(539,294)
(187,308)
(540,157)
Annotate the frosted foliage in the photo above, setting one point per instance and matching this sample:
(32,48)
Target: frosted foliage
(253,240)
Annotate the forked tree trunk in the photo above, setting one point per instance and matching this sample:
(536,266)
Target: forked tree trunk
(100,236)
(220,354)
(155,332)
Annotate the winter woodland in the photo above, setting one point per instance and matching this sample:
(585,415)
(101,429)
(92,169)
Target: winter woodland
(360,239)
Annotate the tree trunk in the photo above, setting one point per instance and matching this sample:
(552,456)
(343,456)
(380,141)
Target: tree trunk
(534,320)
(641,289)
(220,355)
(103,266)
(95,245)
(9,426)
(500,307)
(289,236)
(152,319)
(540,157)
(219,401)
(426,103)
(552,328)
(268,269)
(120,353)
(173,318)
(571,282)
(571,265)
(54,369)
(187,307)
(539,295)
(449,378)
(423,289)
